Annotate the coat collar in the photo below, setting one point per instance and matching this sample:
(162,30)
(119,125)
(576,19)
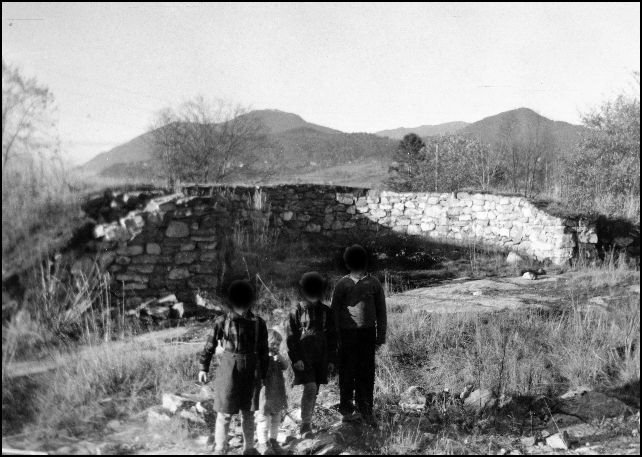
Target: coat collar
(234,315)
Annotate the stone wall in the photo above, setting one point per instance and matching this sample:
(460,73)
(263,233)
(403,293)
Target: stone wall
(174,244)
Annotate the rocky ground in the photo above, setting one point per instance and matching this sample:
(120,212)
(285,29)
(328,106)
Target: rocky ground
(581,421)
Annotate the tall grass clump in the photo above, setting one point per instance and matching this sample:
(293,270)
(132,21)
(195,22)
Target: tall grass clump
(111,381)
(518,352)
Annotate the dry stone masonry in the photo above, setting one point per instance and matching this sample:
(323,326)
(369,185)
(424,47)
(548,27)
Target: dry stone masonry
(174,244)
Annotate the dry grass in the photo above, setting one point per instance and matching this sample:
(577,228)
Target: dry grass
(511,353)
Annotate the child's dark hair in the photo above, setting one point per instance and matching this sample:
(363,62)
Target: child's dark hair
(313,284)
(241,293)
(356,257)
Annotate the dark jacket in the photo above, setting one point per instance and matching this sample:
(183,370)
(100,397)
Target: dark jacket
(311,337)
(239,336)
(360,305)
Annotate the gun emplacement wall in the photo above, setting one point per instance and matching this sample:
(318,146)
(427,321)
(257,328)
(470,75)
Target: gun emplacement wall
(174,243)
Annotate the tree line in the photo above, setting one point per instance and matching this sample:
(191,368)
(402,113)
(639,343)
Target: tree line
(601,173)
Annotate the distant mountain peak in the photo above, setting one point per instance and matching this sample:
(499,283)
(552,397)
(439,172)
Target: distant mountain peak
(277,121)
(424,130)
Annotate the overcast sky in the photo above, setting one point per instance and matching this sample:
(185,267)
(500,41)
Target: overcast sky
(351,67)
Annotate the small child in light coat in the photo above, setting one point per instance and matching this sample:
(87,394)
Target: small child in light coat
(272,398)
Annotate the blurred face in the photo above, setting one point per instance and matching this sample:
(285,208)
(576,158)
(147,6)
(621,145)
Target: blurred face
(241,296)
(275,346)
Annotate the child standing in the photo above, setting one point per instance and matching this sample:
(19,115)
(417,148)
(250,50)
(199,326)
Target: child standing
(243,364)
(312,342)
(273,399)
(359,306)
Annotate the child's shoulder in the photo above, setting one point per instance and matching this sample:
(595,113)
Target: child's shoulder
(373,280)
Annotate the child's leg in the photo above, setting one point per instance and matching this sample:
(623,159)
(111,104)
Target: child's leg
(308,401)
(262,428)
(247,424)
(221,431)
(275,423)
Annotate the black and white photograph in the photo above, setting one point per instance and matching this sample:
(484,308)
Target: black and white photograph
(319,228)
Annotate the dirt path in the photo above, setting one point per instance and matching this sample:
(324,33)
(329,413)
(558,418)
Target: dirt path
(480,295)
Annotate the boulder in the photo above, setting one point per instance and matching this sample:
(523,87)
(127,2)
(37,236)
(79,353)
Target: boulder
(177,310)
(171,298)
(513,258)
(156,311)
(529,275)
(592,405)
(480,399)
(177,229)
(559,441)
(413,398)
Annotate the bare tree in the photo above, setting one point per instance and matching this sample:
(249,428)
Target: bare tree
(204,142)
(509,146)
(485,161)
(27,124)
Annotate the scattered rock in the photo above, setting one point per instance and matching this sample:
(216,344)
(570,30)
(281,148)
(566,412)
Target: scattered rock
(413,398)
(171,298)
(113,424)
(593,405)
(177,310)
(157,415)
(559,441)
(480,399)
(528,441)
(529,275)
(513,258)
(157,311)
(208,303)
(478,293)
(292,419)
(577,392)
(192,416)
(174,403)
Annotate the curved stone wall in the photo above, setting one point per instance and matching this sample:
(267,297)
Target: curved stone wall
(173,244)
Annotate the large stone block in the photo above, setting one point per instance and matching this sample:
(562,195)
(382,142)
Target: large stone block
(123,260)
(414,230)
(204,268)
(177,229)
(203,282)
(153,248)
(131,277)
(178,273)
(346,199)
(186,257)
(130,250)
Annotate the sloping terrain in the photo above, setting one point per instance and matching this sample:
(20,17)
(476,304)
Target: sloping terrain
(295,148)
(424,130)
(524,126)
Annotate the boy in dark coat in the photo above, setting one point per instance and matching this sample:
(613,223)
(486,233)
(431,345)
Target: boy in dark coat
(243,364)
(359,307)
(311,340)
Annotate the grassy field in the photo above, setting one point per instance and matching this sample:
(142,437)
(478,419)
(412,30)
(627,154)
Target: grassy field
(522,353)
(105,372)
